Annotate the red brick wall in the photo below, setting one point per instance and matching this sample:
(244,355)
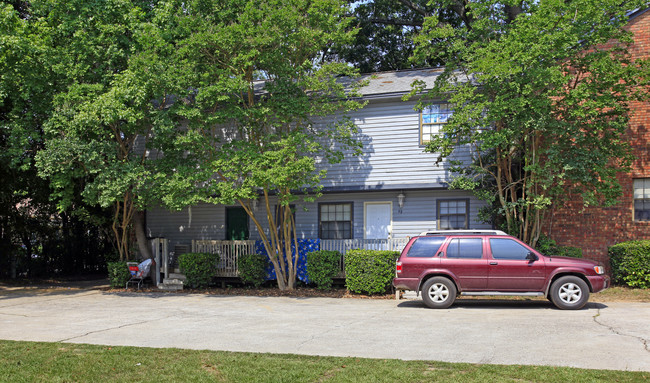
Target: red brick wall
(595,229)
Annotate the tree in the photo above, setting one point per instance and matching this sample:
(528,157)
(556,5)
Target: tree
(258,98)
(386,29)
(541,93)
(112,113)
(34,237)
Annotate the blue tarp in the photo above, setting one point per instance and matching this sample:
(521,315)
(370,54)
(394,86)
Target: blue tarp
(304,246)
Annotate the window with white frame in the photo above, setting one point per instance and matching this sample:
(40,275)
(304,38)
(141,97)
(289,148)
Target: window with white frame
(432,118)
(335,220)
(453,214)
(642,199)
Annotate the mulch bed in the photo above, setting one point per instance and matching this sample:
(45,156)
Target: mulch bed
(300,292)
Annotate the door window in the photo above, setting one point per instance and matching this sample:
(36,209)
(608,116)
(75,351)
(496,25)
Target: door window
(503,248)
(465,248)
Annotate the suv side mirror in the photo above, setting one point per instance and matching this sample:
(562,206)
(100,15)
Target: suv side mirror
(532,257)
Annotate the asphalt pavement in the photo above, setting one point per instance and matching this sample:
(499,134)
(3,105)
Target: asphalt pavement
(601,336)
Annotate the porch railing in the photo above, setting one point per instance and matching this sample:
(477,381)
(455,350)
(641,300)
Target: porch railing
(229,251)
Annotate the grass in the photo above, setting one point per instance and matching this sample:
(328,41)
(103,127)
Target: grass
(624,294)
(65,362)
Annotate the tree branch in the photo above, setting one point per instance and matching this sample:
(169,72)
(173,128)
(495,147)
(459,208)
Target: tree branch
(414,7)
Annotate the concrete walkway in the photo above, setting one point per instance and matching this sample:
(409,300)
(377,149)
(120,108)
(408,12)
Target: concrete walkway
(603,336)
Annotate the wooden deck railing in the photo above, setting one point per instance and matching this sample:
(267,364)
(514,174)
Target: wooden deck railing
(229,251)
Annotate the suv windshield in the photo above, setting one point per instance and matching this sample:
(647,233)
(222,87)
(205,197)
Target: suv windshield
(426,246)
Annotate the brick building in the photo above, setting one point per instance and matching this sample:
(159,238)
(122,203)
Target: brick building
(595,229)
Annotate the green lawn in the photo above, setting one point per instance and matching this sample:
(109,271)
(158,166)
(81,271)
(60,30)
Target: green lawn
(64,362)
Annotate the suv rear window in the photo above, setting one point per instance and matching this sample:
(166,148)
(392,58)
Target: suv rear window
(426,246)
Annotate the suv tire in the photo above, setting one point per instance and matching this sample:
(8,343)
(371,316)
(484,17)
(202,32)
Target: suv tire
(439,292)
(569,293)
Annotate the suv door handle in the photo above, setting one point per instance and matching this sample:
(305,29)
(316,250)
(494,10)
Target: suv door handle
(494,263)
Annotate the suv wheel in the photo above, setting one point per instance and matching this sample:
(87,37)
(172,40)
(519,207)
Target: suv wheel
(438,292)
(569,293)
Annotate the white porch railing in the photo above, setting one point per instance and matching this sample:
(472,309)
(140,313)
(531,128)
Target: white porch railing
(229,251)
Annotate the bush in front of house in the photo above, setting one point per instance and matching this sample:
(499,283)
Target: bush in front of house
(252,269)
(631,263)
(198,268)
(547,246)
(322,267)
(370,271)
(118,273)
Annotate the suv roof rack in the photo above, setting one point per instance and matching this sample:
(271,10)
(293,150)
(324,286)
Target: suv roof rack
(463,232)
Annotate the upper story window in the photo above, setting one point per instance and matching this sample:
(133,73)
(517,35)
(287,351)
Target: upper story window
(642,199)
(335,220)
(433,117)
(453,214)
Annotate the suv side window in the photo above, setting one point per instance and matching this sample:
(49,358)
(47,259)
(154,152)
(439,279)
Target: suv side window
(426,246)
(503,248)
(465,248)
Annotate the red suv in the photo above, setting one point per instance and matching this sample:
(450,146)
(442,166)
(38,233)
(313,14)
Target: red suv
(445,264)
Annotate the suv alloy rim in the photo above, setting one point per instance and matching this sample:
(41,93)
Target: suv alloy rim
(438,292)
(570,293)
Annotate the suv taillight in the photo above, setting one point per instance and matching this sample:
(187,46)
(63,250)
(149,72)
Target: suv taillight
(398,267)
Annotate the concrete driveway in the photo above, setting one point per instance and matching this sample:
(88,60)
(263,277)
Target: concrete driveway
(604,336)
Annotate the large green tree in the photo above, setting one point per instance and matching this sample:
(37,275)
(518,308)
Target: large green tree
(34,236)
(257,108)
(541,92)
(386,29)
(112,113)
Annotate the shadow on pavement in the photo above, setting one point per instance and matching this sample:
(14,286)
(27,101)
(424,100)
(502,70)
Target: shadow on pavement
(498,304)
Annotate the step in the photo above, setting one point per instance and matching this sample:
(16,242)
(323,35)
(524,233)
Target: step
(177,276)
(169,286)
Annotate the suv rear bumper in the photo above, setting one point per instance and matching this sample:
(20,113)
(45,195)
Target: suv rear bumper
(598,282)
(406,283)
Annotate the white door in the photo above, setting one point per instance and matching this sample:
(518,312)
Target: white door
(378,220)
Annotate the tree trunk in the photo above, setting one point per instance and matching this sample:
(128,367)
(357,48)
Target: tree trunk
(141,235)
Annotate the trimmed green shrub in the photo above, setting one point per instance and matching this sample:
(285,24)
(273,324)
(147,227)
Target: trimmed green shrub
(631,263)
(199,268)
(322,267)
(118,273)
(252,269)
(369,271)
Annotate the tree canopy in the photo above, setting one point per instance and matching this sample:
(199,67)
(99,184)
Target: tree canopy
(541,94)
(259,108)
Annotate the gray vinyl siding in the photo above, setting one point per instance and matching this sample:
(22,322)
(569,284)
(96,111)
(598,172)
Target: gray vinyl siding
(392,154)
(206,221)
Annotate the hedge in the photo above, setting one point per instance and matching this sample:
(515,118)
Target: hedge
(630,263)
(549,247)
(370,271)
(252,269)
(118,273)
(322,267)
(199,268)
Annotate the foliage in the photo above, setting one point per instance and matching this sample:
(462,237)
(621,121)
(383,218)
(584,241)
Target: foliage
(252,269)
(108,118)
(322,267)
(541,93)
(198,268)
(118,273)
(630,263)
(547,246)
(370,271)
(257,104)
